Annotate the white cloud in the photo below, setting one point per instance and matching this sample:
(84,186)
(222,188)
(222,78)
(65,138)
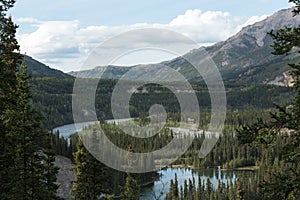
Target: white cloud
(206,27)
(27,20)
(50,37)
(65,45)
(252,20)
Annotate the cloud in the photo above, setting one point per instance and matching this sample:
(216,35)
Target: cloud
(252,20)
(27,20)
(66,44)
(204,27)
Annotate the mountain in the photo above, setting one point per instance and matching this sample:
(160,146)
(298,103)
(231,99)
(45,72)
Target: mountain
(112,72)
(245,57)
(38,69)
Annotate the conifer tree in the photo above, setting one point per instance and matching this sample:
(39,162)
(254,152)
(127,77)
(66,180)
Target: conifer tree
(50,169)
(176,192)
(32,172)
(131,188)
(185,190)
(239,190)
(9,59)
(21,156)
(181,192)
(208,188)
(91,176)
(285,184)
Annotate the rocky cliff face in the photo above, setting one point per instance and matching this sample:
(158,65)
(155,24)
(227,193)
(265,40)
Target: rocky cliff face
(276,21)
(285,80)
(247,56)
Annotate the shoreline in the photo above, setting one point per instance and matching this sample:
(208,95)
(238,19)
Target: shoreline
(183,166)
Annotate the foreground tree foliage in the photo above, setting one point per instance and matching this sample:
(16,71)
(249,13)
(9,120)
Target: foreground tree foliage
(8,62)
(91,176)
(26,156)
(32,173)
(283,183)
(131,189)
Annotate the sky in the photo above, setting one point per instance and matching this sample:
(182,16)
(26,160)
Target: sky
(63,33)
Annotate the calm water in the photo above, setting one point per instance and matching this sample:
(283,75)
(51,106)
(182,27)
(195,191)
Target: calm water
(163,185)
(67,130)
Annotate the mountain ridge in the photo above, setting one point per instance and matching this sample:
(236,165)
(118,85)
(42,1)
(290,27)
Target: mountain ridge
(39,69)
(245,57)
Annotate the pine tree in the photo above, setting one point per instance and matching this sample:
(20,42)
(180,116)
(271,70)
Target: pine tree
(285,184)
(181,192)
(32,173)
(91,176)
(176,192)
(9,59)
(21,156)
(80,187)
(131,188)
(185,190)
(208,188)
(231,192)
(50,169)
(239,190)
(200,191)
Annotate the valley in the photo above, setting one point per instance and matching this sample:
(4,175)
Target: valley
(161,133)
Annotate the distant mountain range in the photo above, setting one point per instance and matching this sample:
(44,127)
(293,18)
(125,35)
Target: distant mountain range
(245,58)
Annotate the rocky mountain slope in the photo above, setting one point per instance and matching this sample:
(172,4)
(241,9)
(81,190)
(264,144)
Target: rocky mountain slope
(248,55)
(245,57)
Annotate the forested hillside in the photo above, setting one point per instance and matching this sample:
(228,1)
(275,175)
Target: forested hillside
(38,69)
(53,98)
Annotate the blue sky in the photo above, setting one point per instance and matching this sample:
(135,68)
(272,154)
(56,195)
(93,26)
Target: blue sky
(61,33)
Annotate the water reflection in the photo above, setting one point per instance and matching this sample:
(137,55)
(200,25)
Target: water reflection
(214,175)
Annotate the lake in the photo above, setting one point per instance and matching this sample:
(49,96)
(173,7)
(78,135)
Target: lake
(163,185)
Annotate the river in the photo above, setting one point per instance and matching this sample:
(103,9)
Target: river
(67,130)
(163,185)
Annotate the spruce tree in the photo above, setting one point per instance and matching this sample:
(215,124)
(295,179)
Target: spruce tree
(131,188)
(50,169)
(176,192)
(284,184)
(185,189)
(91,176)
(32,173)
(9,59)
(24,174)
(208,188)
(239,190)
